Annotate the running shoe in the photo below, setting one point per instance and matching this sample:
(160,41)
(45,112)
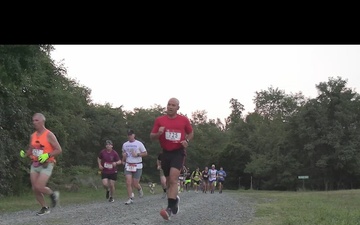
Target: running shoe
(129,201)
(176,208)
(43,211)
(165,213)
(141,193)
(54,198)
(111,199)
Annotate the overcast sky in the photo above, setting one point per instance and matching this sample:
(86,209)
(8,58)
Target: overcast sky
(204,77)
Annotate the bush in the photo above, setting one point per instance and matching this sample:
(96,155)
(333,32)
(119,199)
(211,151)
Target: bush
(74,178)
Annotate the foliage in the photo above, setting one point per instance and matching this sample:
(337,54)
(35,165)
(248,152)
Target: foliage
(286,136)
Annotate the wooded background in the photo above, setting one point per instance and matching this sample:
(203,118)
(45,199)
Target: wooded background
(286,136)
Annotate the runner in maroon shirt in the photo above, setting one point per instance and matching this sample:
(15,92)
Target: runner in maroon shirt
(108,160)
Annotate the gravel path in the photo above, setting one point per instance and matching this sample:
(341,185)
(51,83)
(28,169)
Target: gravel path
(230,208)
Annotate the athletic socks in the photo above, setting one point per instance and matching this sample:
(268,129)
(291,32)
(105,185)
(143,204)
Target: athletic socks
(171,202)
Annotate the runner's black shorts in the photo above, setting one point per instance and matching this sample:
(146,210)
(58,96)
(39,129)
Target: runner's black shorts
(112,176)
(174,158)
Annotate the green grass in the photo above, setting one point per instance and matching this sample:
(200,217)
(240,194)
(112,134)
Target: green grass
(306,208)
(272,207)
(84,195)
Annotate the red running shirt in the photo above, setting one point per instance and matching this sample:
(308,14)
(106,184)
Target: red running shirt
(174,132)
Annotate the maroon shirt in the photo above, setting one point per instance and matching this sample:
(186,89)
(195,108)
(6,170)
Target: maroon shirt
(107,160)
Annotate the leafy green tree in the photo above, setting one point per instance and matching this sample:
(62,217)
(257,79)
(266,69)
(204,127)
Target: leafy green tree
(235,117)
(209,140)
(105,122)
(275,102)
(272,162)
(23,72)
(327,127)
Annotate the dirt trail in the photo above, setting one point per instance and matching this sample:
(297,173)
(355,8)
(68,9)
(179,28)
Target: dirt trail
(230,208)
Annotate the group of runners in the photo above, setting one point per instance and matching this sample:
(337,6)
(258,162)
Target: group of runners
(205,180)
(108,161)
(174,133)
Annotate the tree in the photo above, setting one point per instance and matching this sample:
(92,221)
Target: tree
(327,127)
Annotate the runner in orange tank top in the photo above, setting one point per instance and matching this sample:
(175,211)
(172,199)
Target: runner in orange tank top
(40,145)
(43,148)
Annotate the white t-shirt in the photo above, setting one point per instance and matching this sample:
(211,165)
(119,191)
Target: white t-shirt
(212,174)
(130,147)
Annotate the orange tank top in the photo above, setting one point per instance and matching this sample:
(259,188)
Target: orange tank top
(40,145)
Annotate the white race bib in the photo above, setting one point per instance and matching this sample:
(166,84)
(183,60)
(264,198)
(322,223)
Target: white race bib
(172,136)
(37,152)
(108,165)
(131,167)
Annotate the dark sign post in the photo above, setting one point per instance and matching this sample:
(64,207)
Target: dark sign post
(303,178)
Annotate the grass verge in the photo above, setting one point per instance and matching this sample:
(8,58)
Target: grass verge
(27,201)
(306,208)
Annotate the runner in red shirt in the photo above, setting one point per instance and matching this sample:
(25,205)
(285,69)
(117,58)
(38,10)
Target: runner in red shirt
(174,132)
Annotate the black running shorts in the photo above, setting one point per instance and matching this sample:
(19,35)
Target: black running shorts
(112,176)
(174,159)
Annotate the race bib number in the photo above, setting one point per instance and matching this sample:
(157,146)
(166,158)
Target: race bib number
(172,136)
(108,165)
(131,167)
(37,152)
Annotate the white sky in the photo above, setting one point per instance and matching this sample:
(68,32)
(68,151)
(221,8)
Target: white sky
(204,77)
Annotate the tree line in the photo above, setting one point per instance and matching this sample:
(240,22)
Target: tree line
(286,136)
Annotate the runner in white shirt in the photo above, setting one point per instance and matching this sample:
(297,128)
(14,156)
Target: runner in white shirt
(133,151)
(212,178)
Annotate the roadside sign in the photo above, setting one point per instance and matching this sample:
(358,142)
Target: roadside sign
(303,177)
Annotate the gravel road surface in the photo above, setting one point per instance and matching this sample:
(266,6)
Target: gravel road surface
(230,208)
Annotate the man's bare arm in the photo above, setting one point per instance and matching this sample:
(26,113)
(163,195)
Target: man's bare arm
(54,142)
(190,136)
(155,136)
